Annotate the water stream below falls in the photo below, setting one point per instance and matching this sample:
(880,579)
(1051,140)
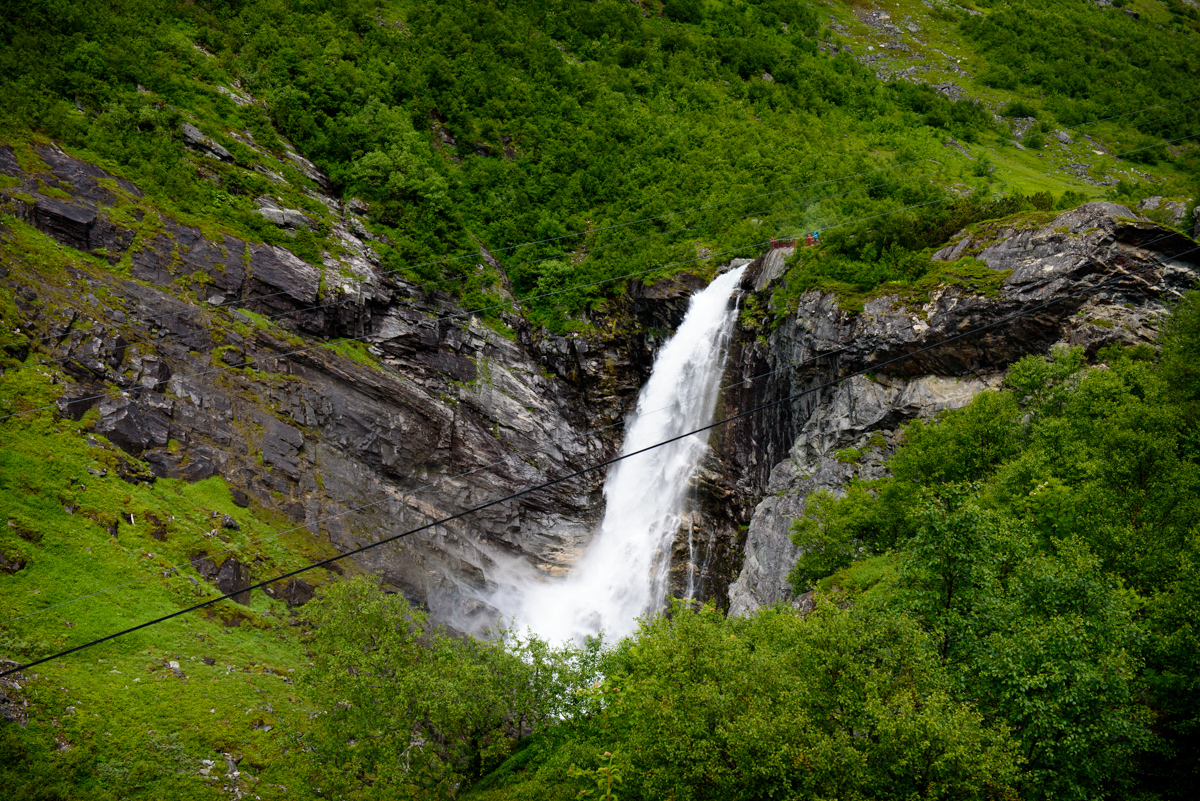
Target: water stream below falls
(624,570)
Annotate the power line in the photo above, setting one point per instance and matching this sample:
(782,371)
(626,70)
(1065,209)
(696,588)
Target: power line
(420,489)
(412,492)
(584,471)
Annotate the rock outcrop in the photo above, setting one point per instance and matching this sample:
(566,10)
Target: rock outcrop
(771,462)
(222,357)
(362,406)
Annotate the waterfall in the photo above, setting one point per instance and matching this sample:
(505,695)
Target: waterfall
(624,571)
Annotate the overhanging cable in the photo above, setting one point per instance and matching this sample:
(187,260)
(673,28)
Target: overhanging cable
(584,471)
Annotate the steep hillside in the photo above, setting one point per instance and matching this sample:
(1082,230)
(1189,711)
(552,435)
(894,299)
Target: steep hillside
(581,142)
(279,280)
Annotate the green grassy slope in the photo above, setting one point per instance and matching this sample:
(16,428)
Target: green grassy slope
(546,121)
(624,135)
(79,518)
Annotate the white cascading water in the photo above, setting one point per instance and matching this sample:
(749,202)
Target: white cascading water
(623,573)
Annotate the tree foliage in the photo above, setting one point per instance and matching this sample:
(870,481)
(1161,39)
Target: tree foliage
(1048,548)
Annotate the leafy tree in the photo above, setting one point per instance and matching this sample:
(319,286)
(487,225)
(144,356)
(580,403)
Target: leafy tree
(1181,356)
(965,445)
(409,711)
(870,518)
(1058,660)
(841,704)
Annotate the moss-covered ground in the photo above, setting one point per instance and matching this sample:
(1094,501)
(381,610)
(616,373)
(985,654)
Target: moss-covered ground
(88,553)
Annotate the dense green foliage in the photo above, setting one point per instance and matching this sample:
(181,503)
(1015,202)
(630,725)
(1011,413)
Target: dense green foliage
(695,706)
(1045,536)
(620,137)
(411,711)
(1086,64)
(1010,615)
(1018,625)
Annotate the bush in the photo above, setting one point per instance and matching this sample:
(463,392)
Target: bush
(1018,108)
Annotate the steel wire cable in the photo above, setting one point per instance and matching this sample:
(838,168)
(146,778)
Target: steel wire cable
(590,469)
(408,495)
(412,493)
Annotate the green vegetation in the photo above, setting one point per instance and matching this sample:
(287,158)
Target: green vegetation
(124,723)
(1009,615)
(1045,537)
(592,128)
(1009,612)
(892,256)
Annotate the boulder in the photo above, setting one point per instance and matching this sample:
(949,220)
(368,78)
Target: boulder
(152,372)
(1175,208)
(11,564)
(69,223)
(294,591)
(232,577)
(284,218)
(284,276)
(130,427)
(205,145)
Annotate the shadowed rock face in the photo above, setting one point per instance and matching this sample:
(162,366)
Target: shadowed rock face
(444,414)
(447,413)
(771,462)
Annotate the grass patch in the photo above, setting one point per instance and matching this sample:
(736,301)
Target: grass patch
(353,350)
(131,726)
(862,576)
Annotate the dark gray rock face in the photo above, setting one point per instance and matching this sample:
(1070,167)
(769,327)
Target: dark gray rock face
(231,576)
(193,138)
(296,592)
(436,414)
(774,460)
(132,426)
(66,222)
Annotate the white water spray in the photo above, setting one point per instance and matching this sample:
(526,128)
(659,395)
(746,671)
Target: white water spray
(623,573)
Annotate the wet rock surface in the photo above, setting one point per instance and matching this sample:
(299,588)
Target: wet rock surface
(437,412)
(773,460)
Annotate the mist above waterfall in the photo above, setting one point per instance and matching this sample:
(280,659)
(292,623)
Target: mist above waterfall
(623,572)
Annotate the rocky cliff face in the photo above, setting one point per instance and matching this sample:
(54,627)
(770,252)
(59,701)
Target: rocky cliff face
(201,355)
(204,355)
(769,463)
